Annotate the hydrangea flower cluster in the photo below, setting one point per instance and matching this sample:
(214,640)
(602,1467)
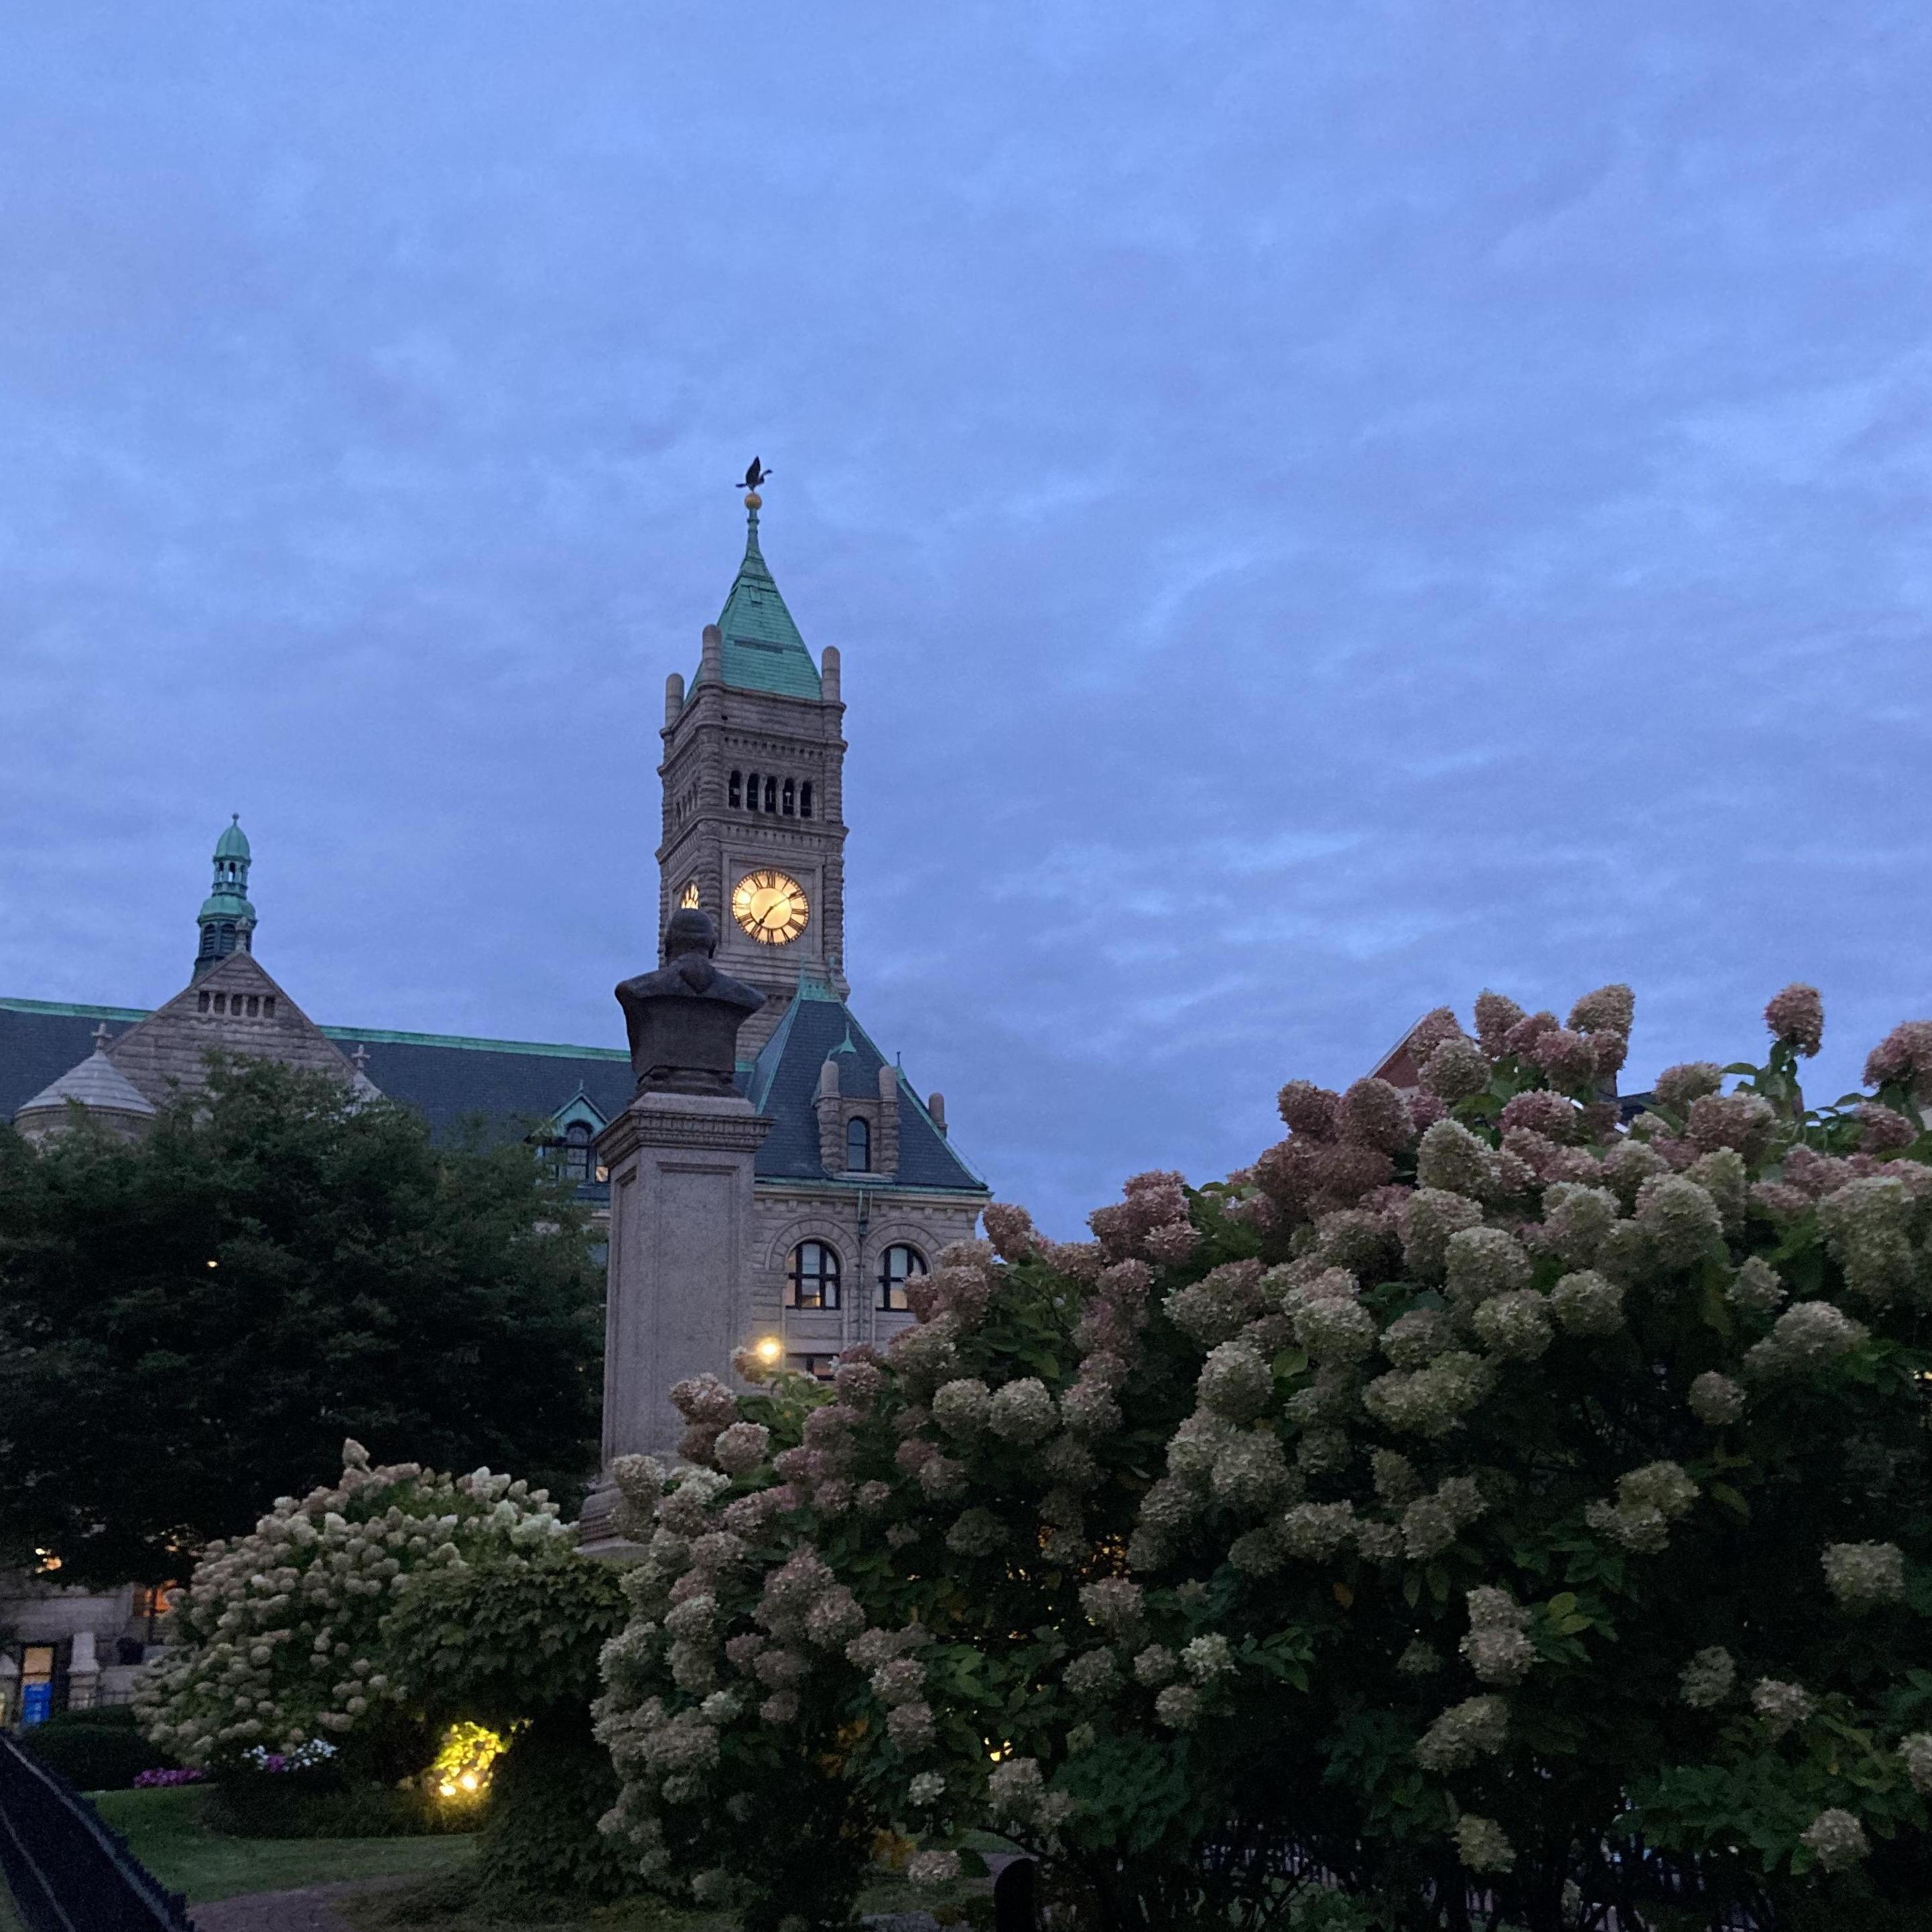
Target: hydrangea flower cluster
(273,1646)
(1373,1466)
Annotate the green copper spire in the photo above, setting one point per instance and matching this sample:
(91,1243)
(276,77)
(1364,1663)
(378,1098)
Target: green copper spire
(226,920)
(763,650)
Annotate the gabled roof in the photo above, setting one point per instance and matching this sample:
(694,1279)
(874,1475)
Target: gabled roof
(168,1051)
(762,649)
(783,1082)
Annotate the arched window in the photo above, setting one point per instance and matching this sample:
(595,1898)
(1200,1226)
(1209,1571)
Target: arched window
(814,1275)
(771,794)
(268,1006)
(897,1266)
(752,793)
(858,1145)
(254,1004)
(576,1152)
(805,799)
(221,1002)
(227,936)
(737,795)
(790,801)
(201,1004)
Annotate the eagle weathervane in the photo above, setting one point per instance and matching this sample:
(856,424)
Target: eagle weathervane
(756,476)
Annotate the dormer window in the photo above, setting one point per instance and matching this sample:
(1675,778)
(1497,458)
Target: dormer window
(858,1145)
(576,1152)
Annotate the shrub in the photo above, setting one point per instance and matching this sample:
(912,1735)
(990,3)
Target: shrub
(1470,1501)
(99,1750)
(277,1638)
(512,1640)
(378,1615)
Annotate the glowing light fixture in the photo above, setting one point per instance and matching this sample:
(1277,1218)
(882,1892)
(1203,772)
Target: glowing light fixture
(770,1349)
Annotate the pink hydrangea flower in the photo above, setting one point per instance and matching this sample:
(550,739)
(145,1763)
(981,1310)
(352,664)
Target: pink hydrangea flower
(1796,1018)
(1309,1109)
(1903,1057)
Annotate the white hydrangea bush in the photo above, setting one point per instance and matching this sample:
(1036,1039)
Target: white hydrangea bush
(1473,1488)
(275,1642)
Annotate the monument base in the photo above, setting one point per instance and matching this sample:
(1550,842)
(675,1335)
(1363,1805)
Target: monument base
(679,1299)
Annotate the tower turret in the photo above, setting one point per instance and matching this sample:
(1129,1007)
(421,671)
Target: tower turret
(226,920)
(754,795)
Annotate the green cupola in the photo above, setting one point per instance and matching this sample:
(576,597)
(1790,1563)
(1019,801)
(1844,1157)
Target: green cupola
(760,649)
(227,919)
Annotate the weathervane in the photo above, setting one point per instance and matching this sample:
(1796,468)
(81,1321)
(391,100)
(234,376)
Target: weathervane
(754,478)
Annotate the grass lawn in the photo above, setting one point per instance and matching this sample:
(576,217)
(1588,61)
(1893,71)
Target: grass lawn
(164,1829)
(451,1904)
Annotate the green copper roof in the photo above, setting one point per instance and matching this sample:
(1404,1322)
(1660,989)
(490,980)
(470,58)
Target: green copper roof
(763,650)
(233,843)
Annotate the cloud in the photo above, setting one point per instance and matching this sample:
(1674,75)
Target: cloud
(1324,509)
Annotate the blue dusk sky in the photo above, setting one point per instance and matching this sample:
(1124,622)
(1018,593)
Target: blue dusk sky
(1325,508)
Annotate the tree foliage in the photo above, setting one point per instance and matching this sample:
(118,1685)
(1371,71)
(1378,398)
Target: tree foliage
(1495,1514)
(192,1323)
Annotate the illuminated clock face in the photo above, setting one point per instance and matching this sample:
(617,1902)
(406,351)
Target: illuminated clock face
(770,907)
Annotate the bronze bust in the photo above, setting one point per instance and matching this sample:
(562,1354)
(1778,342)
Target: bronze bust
(682,1020)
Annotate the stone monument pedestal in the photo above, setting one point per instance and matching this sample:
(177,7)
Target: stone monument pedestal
(678,1301)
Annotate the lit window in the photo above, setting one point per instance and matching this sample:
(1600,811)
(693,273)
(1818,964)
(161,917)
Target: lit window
(858,1146)
(805,799)
(688,898)
(790,800)
(897,1267)
(814,1275)
(737,793)
(818,1367)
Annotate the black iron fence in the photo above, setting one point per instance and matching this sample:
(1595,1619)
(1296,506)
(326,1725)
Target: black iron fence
(68,1871)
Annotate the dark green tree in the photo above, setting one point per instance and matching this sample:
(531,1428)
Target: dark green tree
(191,1324)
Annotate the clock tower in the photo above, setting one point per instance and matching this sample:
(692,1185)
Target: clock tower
(754,796)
